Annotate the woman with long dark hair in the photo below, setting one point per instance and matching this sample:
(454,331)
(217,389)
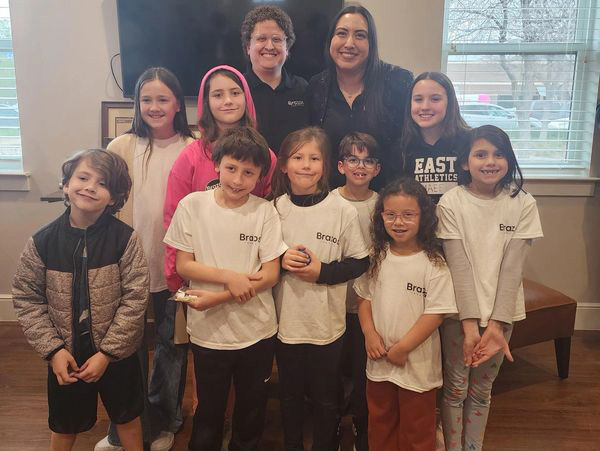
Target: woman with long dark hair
(359,92)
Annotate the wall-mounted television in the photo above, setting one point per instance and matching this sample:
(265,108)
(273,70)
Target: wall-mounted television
(191,36)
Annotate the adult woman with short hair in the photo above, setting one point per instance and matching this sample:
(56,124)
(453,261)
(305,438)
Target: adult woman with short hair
(267,35)
(359,92)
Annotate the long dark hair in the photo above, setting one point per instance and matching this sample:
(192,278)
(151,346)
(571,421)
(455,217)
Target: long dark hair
(453,123)
(426,237)
(180,123)
(290,145)
(206,123)
(501,141)
(373,78)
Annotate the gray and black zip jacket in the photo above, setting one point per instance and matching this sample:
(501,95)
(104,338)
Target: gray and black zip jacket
(48,279)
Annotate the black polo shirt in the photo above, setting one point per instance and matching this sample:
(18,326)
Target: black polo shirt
(281,110)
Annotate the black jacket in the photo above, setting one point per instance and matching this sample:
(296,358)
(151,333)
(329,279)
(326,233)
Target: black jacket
(386,130)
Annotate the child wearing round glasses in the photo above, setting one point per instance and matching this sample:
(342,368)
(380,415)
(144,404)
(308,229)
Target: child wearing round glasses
(359,164)
(403,299)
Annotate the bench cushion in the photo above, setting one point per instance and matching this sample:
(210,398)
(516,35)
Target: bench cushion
(550,315)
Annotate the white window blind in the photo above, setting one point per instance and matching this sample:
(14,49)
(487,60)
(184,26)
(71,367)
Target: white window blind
(530,67)
(10,133)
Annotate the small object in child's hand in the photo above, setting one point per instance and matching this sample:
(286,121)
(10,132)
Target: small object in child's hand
(182,296)
(303,250)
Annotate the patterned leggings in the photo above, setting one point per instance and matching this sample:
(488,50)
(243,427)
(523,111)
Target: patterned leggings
(467,391)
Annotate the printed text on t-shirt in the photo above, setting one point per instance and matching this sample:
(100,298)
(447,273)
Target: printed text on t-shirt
(328,238)
(440,169)
(249,238)
(416,289)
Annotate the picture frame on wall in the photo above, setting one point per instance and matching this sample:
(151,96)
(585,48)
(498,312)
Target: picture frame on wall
(117,117)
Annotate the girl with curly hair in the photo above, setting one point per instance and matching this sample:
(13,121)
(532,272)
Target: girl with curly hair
(403,299)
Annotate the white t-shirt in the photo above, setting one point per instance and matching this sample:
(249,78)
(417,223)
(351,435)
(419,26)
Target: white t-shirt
(239,239)
(365,209)
(485,227)
(149,190)
(405,288)
(309,312)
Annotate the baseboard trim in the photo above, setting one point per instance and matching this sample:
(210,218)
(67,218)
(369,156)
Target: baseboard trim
(588,313)
(7,312)
(588,316)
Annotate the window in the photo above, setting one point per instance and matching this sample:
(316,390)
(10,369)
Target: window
(10,133)
(530,67)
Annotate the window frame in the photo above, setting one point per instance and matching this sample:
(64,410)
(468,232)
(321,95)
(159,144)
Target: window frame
(585,88)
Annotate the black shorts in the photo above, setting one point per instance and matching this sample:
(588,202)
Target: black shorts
(72,408)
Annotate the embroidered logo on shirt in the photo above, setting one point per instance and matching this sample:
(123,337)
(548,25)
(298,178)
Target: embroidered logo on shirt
(295,103)
(249,238)
(416,289)
(328,238)
(507,228)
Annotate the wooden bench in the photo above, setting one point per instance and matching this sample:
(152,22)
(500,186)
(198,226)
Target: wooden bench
(550,316)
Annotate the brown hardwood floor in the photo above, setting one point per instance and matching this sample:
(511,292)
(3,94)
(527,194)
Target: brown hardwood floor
(532,408)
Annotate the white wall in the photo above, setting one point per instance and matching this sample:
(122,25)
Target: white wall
(62,52)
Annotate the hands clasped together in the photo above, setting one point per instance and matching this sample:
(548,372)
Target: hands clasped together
(68,372)
(478,349)
(302,262)
(396,354)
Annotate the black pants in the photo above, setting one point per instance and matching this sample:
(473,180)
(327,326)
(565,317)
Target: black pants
(312,370)
(355,360)
(250,369)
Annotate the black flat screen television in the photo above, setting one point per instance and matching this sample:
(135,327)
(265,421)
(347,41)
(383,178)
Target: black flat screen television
(191,36)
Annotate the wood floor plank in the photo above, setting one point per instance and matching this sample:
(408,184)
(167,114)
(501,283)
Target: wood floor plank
(532,409)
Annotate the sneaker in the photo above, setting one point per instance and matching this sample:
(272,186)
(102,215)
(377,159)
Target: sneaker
(104,445)
(164,441)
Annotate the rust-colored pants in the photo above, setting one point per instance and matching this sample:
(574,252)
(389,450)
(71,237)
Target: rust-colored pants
(400,419)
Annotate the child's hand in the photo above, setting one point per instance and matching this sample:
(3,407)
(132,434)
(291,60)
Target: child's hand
(295,259)
(204,299)
(239,285)
(93,369)
(374,345)
(311,271)
(472,338)
(491,343)
(397,354)
(61,362)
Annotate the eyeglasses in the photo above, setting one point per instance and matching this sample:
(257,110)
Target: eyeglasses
(354,162)
(390,216)
(276,40)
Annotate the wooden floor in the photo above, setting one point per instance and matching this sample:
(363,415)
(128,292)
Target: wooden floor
(532,408)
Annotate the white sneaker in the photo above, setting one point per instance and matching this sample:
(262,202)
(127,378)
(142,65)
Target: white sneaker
(104,445)
(164,441)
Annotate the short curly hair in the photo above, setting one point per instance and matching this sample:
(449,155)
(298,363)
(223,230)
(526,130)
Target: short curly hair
(111,166)
(426,236)
(262,13)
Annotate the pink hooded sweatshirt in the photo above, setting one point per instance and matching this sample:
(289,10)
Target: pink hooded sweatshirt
(194,170)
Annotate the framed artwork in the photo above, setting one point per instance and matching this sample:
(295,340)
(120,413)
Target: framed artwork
(116,119)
